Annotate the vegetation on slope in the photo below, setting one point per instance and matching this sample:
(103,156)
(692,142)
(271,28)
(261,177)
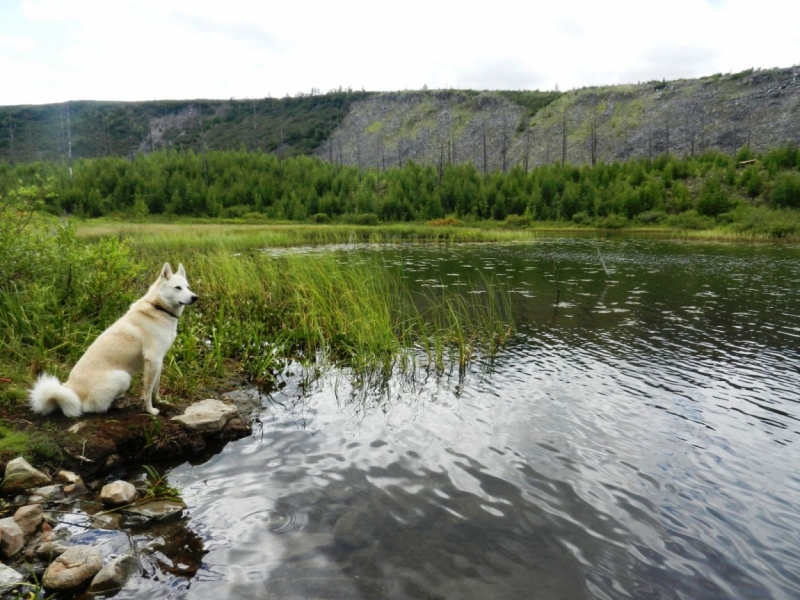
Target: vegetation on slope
(751,193)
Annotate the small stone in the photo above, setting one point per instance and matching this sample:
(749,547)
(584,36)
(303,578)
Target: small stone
(29,518)
(114,574)
(355,528)
(75,489)
(20,476)
(118,493)
(66,477)
(112,461)
(77,427)
(207,416)
(51,550)
(9,579)
(77,565)
(12,538)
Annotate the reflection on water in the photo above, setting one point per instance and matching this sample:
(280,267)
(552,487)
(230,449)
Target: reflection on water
(638,439)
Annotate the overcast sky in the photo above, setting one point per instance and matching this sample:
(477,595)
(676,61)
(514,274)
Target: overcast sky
(58,50)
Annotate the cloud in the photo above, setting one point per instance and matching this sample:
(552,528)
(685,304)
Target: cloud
(17,44)
(509,73)
(672,62)
(234,31)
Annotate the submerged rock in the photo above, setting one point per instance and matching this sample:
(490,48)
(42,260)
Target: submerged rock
(156,510)
(77,565)
(207,416)
(355,528)
(9,579)
(118,493)
(20,476)
(114,574)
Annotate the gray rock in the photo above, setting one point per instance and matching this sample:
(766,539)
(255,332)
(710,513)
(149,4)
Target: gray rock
(9,579)
(157,510)
(206,416)
(49,493)
(29,518)
(111,520)
(20,476)
(355,528)
(118,493)
(77,565)
(67,477)
(51,550)
(114,574)
(12,538)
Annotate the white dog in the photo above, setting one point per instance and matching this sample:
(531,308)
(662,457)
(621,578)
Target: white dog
(138,341)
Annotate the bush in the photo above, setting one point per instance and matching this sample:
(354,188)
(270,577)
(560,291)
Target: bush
(581,218)
(651,217)
(517,221)
(713,199)
(613,221)
(786,191)
(446,222)
(690,219)
(321,218)
(362,219)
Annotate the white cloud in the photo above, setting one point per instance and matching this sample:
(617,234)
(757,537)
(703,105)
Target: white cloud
(145,49)
(17,44)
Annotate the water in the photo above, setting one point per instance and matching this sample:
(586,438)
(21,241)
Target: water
(638,439)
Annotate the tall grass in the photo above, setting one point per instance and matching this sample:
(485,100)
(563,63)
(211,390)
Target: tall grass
(255,310)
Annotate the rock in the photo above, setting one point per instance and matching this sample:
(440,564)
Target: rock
(114,574)
(118,493)
(20,476)
(156,510)
(9,579)
(355,528)
(77,565)
(49,493)
(77,427)
(29,518)
(50,550)
(12,538)
(112,461)
(207,416)
(107,521)
(73,483)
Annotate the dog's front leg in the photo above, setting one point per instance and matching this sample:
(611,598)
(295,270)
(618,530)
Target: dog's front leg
(152,375)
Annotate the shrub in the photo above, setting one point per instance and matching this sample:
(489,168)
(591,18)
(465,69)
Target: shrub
(690,219)
(786,191)
(320,218)
(445,222)
(713,199)
(362,219)
(650,217)
(517,221)
(581,218)
(613,221)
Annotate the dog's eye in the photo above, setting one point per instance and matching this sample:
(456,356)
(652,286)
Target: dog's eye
(179,288)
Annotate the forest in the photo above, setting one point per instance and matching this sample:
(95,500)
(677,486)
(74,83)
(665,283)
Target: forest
(754,190)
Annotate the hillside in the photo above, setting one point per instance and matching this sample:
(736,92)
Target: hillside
(492,129)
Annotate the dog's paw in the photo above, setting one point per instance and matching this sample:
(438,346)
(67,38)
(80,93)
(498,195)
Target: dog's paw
(152,411)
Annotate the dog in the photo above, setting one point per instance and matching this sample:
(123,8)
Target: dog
(137,342)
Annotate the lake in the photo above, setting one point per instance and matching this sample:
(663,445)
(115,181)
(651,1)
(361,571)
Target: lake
(637,438)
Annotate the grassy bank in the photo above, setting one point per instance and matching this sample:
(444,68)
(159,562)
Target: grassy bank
(256,311)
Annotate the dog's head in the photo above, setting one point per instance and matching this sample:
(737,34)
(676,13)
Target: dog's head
(174,288)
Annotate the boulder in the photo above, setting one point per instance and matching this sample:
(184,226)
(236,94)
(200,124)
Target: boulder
(29,518)
(20,476)
(12,538)
(77,565)
(207,416)
(73,483)
(48,493)
(118,493)
(355,528)
(114,574)
(9,579)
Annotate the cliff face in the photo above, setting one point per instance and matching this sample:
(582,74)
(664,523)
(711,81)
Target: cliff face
(493,130)
(726,112)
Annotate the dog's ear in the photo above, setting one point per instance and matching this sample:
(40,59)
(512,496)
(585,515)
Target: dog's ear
(181,270)
(166,271)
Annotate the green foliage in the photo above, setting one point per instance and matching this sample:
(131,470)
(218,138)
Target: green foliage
(786,191)
(157,486)
(713,199)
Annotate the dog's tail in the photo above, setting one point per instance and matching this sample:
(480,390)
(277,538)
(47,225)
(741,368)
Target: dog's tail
(47,394)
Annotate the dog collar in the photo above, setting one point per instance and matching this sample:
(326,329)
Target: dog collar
(162,309)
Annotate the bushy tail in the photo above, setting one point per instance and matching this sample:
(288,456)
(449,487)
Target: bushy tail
(47,394)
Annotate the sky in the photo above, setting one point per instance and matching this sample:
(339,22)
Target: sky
(60,50)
